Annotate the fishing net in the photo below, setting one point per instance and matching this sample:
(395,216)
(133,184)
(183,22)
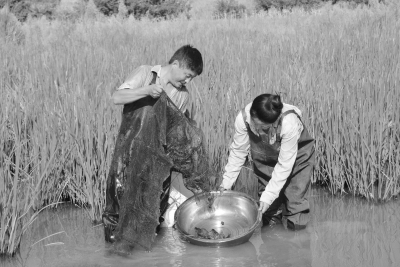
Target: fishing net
(155,137)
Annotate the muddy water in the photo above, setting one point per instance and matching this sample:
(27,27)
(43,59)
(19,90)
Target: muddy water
(343,232)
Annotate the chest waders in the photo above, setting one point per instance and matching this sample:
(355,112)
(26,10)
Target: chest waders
(111,216)
(264,153)
(154,138)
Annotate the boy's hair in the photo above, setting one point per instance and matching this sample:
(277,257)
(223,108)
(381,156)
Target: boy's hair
(189,57)
(267,107)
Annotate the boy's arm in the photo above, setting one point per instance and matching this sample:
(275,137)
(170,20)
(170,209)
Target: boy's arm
(238,151)
(132,89)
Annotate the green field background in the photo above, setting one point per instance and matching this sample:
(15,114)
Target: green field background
(58,125)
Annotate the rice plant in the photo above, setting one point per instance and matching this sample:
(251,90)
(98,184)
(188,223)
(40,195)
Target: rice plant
(58,125)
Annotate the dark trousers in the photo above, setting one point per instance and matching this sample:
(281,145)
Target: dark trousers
(293,198)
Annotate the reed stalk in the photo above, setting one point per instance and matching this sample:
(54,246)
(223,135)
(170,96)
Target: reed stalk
(58,125)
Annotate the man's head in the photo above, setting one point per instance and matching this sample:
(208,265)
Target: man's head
(186,64)
(264,111)
(266,108)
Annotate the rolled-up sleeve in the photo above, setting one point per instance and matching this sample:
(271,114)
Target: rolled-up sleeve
(135,80)
(290,134)
(238,151)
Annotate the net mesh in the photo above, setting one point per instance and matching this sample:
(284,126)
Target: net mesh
(155,137)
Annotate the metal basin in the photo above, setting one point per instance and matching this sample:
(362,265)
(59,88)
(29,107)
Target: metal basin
(232,213)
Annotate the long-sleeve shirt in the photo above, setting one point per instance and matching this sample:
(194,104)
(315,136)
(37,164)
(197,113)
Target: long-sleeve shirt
(143,75)
(240,148)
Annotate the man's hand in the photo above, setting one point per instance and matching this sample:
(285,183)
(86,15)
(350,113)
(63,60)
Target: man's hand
(154,90)
(263,207)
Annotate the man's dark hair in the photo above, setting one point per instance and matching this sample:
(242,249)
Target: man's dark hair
(267,108)
(189,57)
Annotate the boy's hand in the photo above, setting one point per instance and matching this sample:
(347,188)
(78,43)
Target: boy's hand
(155,90)
(221,189)
(263,207)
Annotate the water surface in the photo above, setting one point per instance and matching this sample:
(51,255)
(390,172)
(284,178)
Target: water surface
(344,231)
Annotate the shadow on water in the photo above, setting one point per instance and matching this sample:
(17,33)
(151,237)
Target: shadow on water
(344,231)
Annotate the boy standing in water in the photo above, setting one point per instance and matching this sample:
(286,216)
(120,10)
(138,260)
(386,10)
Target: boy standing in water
(185,64)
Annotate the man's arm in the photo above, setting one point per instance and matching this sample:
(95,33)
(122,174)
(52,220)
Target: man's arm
(125,95)
(238,151)
(122,97)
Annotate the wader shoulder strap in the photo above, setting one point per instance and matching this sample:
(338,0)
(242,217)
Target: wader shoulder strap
(287,113)
(163,94)
(154,79)
(144,101)
(278,133)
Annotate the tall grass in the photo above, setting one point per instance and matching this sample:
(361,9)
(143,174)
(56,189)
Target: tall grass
(58,125)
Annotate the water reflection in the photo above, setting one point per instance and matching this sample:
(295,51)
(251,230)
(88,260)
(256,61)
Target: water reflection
(343,232)
(349,232)
(277,246)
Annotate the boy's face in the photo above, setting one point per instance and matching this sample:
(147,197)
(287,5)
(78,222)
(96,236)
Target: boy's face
(180,75)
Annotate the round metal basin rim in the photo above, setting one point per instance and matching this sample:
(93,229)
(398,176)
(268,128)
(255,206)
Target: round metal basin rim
(235,240)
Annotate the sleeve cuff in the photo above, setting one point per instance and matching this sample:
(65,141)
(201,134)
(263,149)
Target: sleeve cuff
(227,183)
(267,198)
(124,86)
